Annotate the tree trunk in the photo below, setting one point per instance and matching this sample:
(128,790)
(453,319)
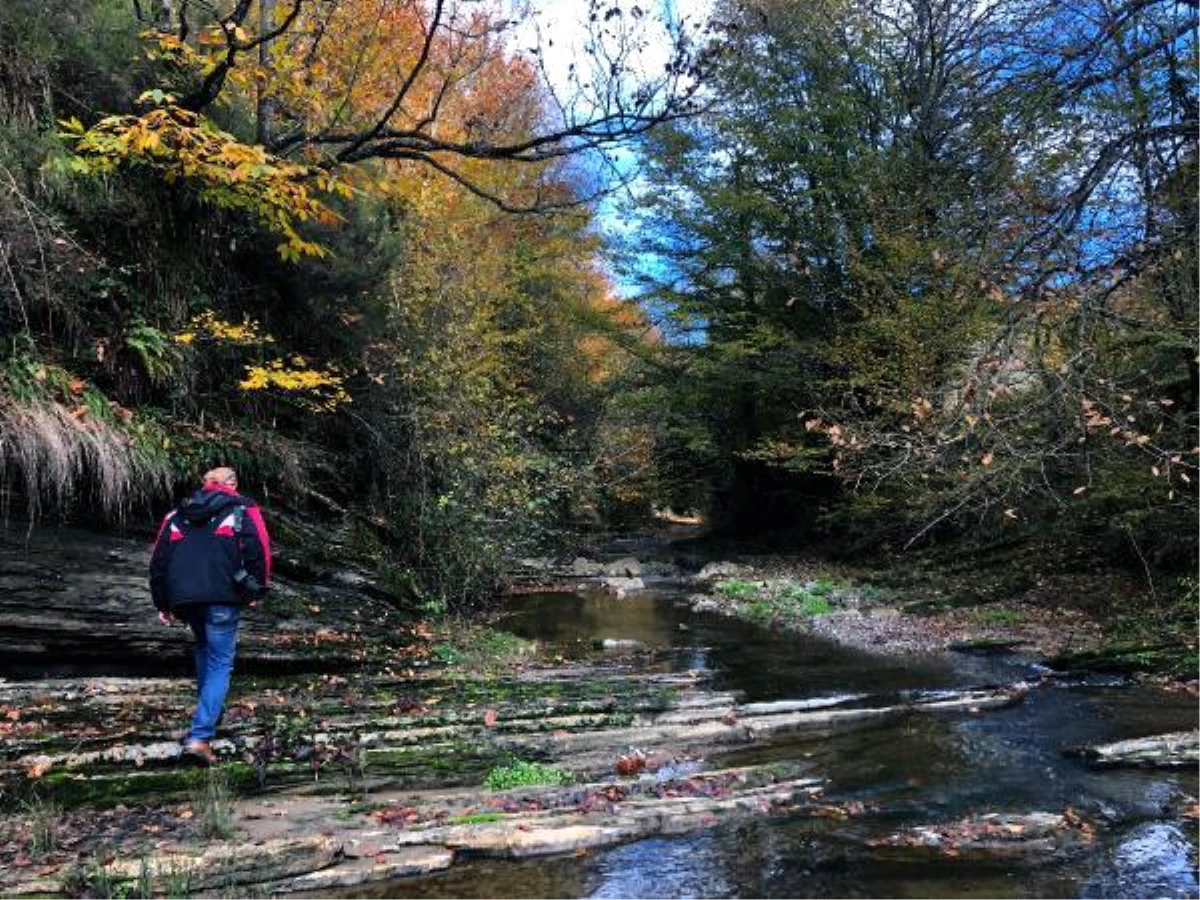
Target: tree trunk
(266,103)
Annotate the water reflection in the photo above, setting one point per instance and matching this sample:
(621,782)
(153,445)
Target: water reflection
(1152,860)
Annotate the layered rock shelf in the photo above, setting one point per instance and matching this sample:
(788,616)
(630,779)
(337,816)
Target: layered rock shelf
(327,765)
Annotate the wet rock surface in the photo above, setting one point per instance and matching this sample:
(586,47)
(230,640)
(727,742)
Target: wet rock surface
(348,779)
(1180,749)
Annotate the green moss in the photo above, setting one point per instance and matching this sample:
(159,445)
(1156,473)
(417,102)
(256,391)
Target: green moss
(71,789)
(475,818)
(1000,615)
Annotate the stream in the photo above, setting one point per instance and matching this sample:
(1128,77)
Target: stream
(923,770)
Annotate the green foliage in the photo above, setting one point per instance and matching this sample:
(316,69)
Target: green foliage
(485,399)
(154,351)
(445,653)
(789,604)
(520,773)
(889,373)
(443,342)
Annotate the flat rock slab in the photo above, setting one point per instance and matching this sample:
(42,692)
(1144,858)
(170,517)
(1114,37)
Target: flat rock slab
(396,747)
(237,864)
(72,600)
(1180,748)
(381,866)
(994,836)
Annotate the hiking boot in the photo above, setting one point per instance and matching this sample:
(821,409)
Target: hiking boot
(200,753)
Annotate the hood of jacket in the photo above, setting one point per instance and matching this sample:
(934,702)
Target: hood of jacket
(204,505)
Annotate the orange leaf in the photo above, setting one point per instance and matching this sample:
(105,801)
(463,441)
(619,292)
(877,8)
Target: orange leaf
(489,718)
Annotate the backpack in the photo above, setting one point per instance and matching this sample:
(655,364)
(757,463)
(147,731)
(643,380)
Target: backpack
(205,554)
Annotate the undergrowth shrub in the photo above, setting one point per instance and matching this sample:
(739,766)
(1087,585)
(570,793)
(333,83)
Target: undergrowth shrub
(520,773)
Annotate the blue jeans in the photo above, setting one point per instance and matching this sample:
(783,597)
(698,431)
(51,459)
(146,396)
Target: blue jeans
(216,629)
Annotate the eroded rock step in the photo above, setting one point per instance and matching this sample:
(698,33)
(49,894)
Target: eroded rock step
(337,736)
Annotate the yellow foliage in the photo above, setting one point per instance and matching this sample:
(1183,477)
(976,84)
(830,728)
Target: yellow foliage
(184,147)
(206,324)
(324,387)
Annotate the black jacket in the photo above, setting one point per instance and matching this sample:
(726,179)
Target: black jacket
(203,545)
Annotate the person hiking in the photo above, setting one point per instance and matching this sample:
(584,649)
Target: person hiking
(212,556)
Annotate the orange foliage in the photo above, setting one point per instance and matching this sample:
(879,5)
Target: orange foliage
(347,68)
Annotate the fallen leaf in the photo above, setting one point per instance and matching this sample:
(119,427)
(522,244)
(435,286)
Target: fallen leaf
(489,718)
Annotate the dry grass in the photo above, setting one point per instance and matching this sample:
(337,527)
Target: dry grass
(54,456)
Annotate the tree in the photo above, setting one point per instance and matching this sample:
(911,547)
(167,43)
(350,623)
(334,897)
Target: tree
(430,81)
(934,244)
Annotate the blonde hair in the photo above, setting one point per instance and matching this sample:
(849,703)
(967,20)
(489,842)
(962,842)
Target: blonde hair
(221,475)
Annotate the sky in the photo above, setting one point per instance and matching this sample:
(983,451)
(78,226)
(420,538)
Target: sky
(562,26)
(560,31)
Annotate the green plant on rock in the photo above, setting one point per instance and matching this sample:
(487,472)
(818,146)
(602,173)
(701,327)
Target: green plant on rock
(737,590)
(815,606)
(478,818)
(520,773)
(478,648)
(822,587)
(447,654)
(788,604)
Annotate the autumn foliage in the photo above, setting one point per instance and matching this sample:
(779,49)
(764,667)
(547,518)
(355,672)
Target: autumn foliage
(313,277)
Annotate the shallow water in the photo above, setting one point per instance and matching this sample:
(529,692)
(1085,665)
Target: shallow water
(925,769)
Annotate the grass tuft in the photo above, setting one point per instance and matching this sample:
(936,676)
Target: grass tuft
(52,452)
(44,818)
(213,807)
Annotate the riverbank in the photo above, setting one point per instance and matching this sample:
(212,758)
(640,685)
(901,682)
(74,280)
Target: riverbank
(827,600)
(1065,609)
